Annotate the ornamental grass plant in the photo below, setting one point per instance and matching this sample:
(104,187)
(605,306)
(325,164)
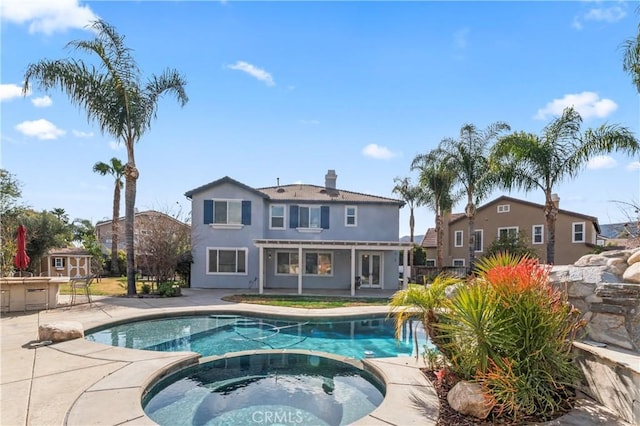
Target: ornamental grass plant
(507,329)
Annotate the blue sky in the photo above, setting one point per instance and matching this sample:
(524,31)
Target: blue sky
(289,90)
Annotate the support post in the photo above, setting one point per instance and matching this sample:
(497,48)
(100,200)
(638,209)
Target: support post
(261,270)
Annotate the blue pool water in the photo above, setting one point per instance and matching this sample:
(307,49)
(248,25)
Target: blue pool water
(265,389)
(220,334)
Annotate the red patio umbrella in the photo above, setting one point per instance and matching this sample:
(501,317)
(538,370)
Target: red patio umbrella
(21,261)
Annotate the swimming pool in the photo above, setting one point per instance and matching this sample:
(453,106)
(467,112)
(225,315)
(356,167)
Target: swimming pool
(217,334)
(272,388)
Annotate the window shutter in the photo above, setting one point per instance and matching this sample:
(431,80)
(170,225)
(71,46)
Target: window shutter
(293,216)
(63,259)
(208,211)
(246,212)
(324,217)
(53,262)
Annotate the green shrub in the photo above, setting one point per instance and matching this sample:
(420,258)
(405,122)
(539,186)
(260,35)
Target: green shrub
(146,289)
(167,289)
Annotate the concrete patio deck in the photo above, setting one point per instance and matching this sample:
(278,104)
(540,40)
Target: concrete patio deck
(84,383)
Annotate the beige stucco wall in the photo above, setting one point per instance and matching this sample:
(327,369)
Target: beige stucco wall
(524,217)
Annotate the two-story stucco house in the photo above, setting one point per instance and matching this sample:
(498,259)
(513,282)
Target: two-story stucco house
(575,232)
(297,237)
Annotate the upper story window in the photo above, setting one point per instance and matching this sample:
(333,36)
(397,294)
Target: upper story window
(504,208)
(309,218)
(276,217)
(578,232)
(226,261)
(537,233)
(511,231)
(351,216)
(477,242)
(457,240)
(227,213)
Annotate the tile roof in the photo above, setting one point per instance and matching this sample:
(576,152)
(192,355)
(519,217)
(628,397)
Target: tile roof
(430,238)
(314,193)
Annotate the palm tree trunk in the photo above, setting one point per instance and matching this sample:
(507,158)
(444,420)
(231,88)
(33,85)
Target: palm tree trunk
(439,241)
(131,176)
(114,230)
(550,214)
(412,225)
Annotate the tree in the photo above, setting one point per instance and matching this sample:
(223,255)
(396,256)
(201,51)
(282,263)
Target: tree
(467,158)
(414,197)
(85,232)
(10,212)
(527,161)
(46,230)
(114,168)
(113,96)
(631,60)
(512,243)
(437,184)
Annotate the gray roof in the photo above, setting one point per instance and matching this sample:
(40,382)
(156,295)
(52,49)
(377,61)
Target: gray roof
(314,193)
(302,193)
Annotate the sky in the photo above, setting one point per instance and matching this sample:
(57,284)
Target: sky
(288,90)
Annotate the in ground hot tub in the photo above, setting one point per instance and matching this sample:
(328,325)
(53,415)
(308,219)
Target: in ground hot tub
(266,388)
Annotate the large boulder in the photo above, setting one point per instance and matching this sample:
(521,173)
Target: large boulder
(634,258)
(60,331)
(632,274)
(467,398)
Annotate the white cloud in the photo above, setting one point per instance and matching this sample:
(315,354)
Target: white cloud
(116,146)
(635,165)
(601,162)
(42,102)
(378,152)
(253,71)
(81,134)
(41,129)
(10,91)
(609,15)
(47,16)
(588,104)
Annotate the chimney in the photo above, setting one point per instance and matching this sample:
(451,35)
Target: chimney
(556,200)
(330,179)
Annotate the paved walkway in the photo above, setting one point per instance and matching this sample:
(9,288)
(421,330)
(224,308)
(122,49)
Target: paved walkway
(84,383)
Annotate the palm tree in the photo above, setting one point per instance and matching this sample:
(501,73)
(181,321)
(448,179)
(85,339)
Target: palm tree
(414,197)
(631,61)
(527,161)
(116,169)
(113,96)
(437,183)
(468,159)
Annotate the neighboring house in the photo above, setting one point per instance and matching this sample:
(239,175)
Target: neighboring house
(576,233)
(141,224)
(293,237)
(66,262)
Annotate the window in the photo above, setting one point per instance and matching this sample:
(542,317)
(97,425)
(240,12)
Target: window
(578,232)
(504,208)
(309,217)
(510,232)
(227,261)
(458,239)
(227,212)
(477,242)
(351,216)
(58,262)
(287,263)
(538,234)
(430,263)
(458,263)
(276,220)
(317,263)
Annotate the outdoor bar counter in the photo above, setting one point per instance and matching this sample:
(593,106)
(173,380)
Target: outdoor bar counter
(21,294)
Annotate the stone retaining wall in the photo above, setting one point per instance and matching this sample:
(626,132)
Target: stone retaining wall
(606,289)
